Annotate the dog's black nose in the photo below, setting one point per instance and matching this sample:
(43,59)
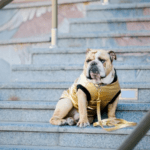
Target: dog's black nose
(94,69)
(94,63)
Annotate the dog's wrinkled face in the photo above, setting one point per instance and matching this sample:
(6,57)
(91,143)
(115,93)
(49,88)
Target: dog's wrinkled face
(98,65)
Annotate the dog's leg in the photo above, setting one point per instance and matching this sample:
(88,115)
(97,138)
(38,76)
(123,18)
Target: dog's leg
(82,103)
(112,110)
(62,109)
(73,117)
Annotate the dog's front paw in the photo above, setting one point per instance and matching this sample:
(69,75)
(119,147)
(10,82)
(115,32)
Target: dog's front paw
(83,123)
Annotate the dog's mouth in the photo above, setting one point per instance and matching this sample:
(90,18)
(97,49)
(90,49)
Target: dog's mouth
(94,74)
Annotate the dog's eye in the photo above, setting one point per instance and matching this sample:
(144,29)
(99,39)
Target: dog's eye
(102,60)
(88,60)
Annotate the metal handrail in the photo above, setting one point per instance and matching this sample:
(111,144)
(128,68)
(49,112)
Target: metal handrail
(137,134)
(4,3)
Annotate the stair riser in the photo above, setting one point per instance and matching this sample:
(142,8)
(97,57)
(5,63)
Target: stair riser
(30,94)
(104,41)
(45,76)
(118,13)
(28,115)
(52,95)
(75,140)
(53,59)
(29,138)
(98,140)
(78,59)
(115,26)
(25,115)
(71,75)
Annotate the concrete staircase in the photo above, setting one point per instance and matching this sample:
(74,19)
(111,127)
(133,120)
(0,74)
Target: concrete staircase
(28,102)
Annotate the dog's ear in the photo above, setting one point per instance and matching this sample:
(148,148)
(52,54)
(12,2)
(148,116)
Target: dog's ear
(88,50)
(112,55)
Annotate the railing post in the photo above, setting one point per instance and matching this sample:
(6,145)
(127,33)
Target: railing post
(54,30)
(105,2)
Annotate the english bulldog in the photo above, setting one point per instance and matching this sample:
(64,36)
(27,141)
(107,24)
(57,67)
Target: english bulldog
(78,104)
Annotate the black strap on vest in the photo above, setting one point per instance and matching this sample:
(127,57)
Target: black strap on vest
(114,98)
(79,86)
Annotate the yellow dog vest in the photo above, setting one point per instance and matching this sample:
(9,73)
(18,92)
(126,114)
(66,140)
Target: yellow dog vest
(100,97)
(107,93)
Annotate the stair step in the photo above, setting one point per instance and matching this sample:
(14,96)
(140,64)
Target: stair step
(37,134)
(50,92)
(117,6)
(76,56)
(110,24)
(95,39)
(118,10)
(16,147)
(16,111)
(35,4)
(47,73)
(32,91)
(110,39)
(43,111)
(27,105)
(35,40)
(82,50)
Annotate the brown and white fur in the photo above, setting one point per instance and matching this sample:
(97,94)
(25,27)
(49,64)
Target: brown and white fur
(98,69)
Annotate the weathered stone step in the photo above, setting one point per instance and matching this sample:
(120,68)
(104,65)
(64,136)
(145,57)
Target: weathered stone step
(50,92)
(127,1)
(109,39)
(110,24)
(44,134)
(45,73)
(76,56)
(46,38)
(15,111)
(118,10)
(32,91)
(94,39)
(17,147)
(35,4)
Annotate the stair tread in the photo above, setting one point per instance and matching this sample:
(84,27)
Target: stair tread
(118,6)
(51,105)
(47,127)
(46,38)
(63,85)
(24,147)
(75,67)
(82,50)
(109,34)
(78,35)
(27,105)
(108,20)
